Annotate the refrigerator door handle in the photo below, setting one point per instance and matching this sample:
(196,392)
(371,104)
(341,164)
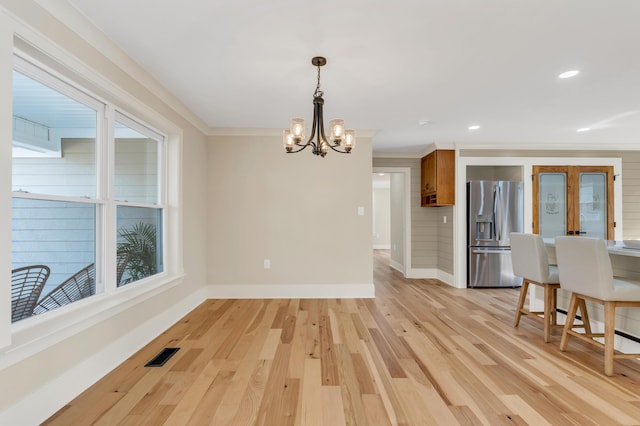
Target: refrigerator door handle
(493,217)
(489,251)
(498,206)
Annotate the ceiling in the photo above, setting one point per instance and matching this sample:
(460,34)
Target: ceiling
(414,71)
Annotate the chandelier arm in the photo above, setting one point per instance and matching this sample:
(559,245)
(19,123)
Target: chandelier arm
(298,150)
(337,150)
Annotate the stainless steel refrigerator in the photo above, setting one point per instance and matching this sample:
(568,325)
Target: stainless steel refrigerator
(494,209)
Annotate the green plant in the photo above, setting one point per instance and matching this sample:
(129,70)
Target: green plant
(139,242)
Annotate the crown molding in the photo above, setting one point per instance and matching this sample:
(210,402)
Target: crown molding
(77,22)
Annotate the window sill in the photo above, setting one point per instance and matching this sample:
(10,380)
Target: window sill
(39,332)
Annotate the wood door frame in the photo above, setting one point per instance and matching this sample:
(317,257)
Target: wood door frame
(573,187)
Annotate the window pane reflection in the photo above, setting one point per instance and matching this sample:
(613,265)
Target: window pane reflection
(139,242)
(136,173)
(53,141)
(61,236)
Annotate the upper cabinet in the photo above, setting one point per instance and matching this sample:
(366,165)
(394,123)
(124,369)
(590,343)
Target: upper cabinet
(438,178)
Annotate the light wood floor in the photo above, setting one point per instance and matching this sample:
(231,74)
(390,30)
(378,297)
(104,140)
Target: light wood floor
(420,353)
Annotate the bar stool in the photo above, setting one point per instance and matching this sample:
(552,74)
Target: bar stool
(585,270)
(529,259)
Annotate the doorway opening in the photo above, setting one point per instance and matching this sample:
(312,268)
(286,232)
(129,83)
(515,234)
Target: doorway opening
(391,215)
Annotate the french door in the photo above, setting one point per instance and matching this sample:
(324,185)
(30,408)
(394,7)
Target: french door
(573,200)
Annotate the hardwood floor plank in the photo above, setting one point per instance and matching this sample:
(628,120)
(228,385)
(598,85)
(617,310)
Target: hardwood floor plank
(311,411)
(211,400)
(422,352)
(383,381)
(125,405)
(351,393)
(246,411)
(332,410)
(374,408)
(430,397)
(465,416)
(522,409)
(388,357)
(330,375)
(362,374)
(271,344)
(272,401)
(187,405)
(417,411)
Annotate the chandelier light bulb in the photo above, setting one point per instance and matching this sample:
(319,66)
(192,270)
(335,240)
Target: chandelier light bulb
(324,147)
(287,140)
(337,130)
(297,129)
(349,140)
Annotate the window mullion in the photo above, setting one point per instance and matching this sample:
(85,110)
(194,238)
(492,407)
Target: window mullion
(106,189)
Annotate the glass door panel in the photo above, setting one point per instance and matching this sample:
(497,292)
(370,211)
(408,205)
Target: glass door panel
(573,200)
(552,204)
(593,205)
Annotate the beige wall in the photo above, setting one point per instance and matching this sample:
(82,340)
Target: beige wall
(297,210)
(397,219)
(445,238)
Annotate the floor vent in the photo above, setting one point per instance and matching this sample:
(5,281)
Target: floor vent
(162,357)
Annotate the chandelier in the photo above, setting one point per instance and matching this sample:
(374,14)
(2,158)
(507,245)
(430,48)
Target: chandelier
(340,140)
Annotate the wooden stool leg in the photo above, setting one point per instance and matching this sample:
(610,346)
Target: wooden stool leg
(568,325)
(521,300)
(554,306)
(585,316)
(547,313)
(609,334)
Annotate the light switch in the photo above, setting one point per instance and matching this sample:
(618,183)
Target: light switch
(267,264)
(360,211)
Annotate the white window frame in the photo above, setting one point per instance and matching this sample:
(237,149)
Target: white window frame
(114,203)
(31,335)
(38,73)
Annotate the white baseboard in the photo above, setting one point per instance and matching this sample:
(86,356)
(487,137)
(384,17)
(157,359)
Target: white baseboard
(382,246)
(422,273)
(431,273)
(396,265)
(446,278)
(43,402)
(291,291)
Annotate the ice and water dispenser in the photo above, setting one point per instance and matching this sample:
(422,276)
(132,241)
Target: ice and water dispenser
(484,227)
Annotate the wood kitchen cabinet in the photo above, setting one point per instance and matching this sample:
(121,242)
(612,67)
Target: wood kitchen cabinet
(438,178)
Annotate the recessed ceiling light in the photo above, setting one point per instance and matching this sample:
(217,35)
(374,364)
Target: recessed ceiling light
(474,127)
(380,174)
(583,129)
(569,74)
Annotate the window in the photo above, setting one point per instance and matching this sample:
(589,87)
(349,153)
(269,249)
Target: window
(87,184)
(138,159)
